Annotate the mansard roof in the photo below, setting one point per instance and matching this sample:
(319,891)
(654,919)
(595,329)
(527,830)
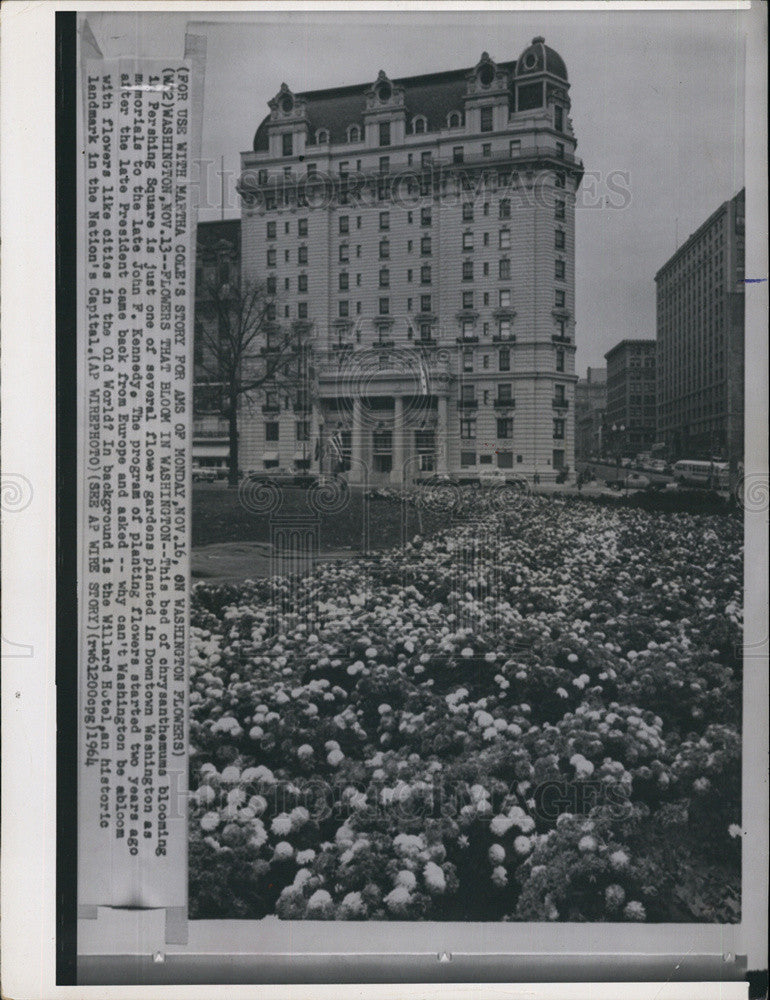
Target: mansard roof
(432,95)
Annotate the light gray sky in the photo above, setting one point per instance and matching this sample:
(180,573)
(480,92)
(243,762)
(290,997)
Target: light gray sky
(658,95)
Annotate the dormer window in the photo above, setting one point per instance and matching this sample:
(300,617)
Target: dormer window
(354,134)
(419,125)
(486,75)
(322,136)
(384,91)
(287,144)
(454,119)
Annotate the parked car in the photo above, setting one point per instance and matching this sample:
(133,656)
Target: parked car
(636,481)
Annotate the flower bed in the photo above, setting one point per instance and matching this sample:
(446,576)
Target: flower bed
(534,715)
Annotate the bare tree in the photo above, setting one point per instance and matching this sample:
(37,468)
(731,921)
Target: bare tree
(243,348)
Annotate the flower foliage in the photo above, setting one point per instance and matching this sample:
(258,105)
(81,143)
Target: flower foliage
(532,715)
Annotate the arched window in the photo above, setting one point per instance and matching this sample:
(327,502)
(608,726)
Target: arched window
(454,120)
(419,125)
(322,136)
(354,134)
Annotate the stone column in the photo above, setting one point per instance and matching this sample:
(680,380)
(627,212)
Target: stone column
(442,437)
(397,472)
(357,444)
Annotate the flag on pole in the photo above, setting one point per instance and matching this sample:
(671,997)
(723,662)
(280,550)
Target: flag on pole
(424,376)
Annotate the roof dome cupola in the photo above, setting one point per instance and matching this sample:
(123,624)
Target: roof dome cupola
(540,58)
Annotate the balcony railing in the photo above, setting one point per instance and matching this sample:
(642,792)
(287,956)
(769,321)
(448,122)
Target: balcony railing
(271,408)
(560,404)
(467,404)
(558,339)
(504,404)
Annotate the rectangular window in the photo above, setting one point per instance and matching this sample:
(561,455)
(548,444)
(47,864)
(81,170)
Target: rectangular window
(559,391)
(425,159)
(558,458)
(558,270)
(504,392)
(271,429)
(468,211)
(486,266)
(558,429)
(467,458)
(344,225)
(343,308)
(302,310)
(458,154)
(272,284)
(468,367)
(344,253)
(504,328)
(301,227)
(486,149)
(504,269)
(425,274)
(560,150)
(426,331)
(514,148)
(560,180)
(271,230)
(409,276)
(467,241)
(559,298)
(384,220)
(504,360)
(468,391)
(558,239)
(425,303)
(467,300)
(505,239)
(558,118)
(426,246)
(486,118)
(384,133)
(384,307)
(505,427)
(505,208)
(559,208)
(384,250)
(303,431)
(426,217)
(344,281)
(467,270)
(384,277)
(302,255)
(287,144)
(271,258)
(505,298)
(505,459)
(302,283)
(560,360)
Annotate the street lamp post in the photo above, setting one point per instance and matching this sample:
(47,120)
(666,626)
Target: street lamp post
(617,435)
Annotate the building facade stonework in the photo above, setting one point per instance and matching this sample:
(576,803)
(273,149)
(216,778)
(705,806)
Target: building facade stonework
(423,231)
(700,334)
(629,426)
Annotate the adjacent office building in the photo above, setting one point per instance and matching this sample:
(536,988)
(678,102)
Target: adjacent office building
(422,232)
(590,407)
(629,425)
(700,322)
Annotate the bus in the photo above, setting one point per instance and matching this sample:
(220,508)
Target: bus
(690,472)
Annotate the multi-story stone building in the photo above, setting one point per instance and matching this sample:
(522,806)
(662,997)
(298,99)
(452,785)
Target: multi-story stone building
(700,303)
(629,424)
(590,406)
(424,230)
(218,263)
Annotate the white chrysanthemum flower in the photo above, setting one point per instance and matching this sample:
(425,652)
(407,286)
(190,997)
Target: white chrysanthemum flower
(281,824)
(635,911)
(319,902)
(398,899)
(209,821)
(614,896)
(231,775)
(305,857)
(587,844)
(236,797)
(572,658)
(562,693)
(353,905)
(406,878)
(734,830)
(256,733)
(283,851)
(483,719)
(496,854)
(205,795)
(500,877)
(434,877)
(619,859)
(500,825)
(466,653)
(522,845)
(335,757)
(583,767)
(302,876)
(305,751)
